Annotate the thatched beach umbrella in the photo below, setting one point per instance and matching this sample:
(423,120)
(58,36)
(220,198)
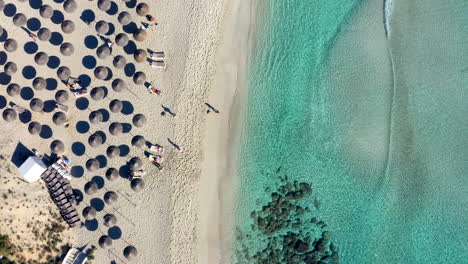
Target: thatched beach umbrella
(92,165)
(102,27)
(139,120)
(110,220)
(121,39)
(125,18)
(115,128)
(140,55)
(135,163)
(137,184)
(130,252)
(63,73)
(41,58)
(34,128)
(10,45)
(112,152)
(57,147)
(118,85)
(95,140)
(142,9)
(104,5)
(39,83)
(101,72)
(98,93)
(89,212)
(95,117)
(61,96)
(105,242)
(9,115)
(36,105)
(10,68)
(44,34)
(110,197)
(140,34)
(115,106)
(68,26)
(112,174)
(103,51)
(19,20)
(119,62)
(59,118)
(139,78)
(13,89)
(46,11)
(69,6)
(138,141)
(67,49)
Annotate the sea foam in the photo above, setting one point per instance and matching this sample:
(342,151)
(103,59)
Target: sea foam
(388,10)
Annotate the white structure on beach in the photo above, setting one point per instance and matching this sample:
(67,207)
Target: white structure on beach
(32,169)
(75,256)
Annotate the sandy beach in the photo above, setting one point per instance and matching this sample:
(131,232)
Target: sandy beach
(166,221)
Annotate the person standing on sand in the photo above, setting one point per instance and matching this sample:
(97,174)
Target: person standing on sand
(211,108)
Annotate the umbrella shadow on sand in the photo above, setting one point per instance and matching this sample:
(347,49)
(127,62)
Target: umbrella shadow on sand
(21,154)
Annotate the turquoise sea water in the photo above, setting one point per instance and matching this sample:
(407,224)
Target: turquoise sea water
(378,126)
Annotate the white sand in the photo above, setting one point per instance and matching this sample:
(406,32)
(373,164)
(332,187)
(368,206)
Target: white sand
(161,221)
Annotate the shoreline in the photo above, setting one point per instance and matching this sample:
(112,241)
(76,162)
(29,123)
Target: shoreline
(218,183)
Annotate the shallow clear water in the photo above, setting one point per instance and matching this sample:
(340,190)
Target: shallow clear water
(378,126)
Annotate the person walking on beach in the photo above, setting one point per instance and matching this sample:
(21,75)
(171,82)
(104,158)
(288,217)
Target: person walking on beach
(175,145)
(167,110)
(211,108)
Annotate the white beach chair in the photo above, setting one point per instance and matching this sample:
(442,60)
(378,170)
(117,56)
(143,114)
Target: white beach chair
(158,55)
(158,64)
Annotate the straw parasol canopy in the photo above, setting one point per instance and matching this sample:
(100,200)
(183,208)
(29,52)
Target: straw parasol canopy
(112,174)
(119,62)
(112,151)
(46,11)
(92,165)
(95,140)
(69,6)
(101,72)
(34,128)
(67,49)
(68,26)
(13,89)
(115,106)
(19,20)
(138,141)
(139,120)
(115,128)
(57,147)
(63,73)
(110,220)
(103,51)
(41,58)
(104,5)
(105,242)
(59,118)
(44,34)
(10,45)
(140,34)
(137,184)
(10,68)
(89,212)
(124,18)
(61,96)
(102,27)
(9,115)
(110,197)
(135,163)
(142,9)
(96,117)
(121,39)
(130,252)
(118,85)
(98,93)
(39,83)
(139,78)
(140,55)
(36,105)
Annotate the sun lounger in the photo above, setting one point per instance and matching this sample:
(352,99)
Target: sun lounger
(159,55)
(63,202)
(80,93)
(59,197)
(157,148)
(62,107)
(158,64)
